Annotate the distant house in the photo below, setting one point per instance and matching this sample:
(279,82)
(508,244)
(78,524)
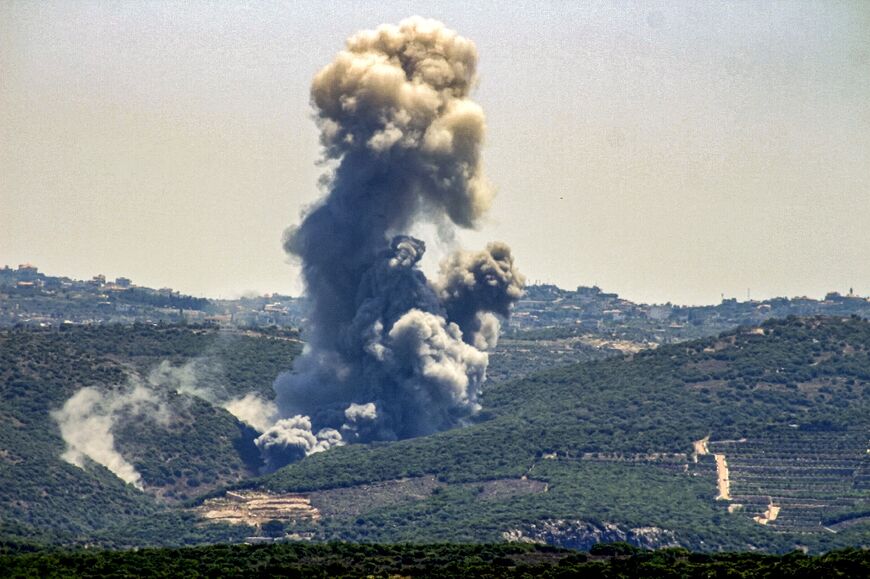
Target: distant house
(588,291)
(27,272)
(660,312)
(615,315)
(276,307)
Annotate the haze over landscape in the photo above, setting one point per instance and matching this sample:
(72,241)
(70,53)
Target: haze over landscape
(428,403)
(676,151)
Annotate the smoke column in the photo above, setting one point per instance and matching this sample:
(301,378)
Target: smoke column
(391,355)
(87,421)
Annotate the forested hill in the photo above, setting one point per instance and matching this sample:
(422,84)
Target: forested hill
(630,448)
(199,446)
(631,441)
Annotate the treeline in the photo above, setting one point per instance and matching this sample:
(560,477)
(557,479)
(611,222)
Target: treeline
(161,300)
(445,560)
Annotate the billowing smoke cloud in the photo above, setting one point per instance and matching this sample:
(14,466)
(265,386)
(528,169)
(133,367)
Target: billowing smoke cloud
(291,439)
(391,355)
(360,422)
(473,286)
(87,421)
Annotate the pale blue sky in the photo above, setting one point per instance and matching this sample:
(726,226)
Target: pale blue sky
(663,150)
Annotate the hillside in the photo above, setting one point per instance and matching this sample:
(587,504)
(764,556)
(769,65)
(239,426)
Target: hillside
(616,449)
(193,447)
(200,447)
(635,447)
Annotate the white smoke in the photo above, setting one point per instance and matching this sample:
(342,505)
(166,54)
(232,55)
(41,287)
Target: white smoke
(253,410)
(443,371)
(88,419)
(361,422)
(183,379)
(290,439)
(361,412)
(200,379)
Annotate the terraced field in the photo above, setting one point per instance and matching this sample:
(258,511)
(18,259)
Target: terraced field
(798,481)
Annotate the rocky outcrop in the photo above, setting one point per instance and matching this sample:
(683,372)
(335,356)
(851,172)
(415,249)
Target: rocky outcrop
(581,535)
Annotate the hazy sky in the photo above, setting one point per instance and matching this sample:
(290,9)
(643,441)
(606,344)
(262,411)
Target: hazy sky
(663,150)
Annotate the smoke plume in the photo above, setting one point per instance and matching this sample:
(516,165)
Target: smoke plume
(253,410)
(391,355)
(88,418)
(203,378)
(475,285)
(291,439)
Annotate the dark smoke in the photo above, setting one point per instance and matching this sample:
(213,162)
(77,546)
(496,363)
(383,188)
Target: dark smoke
(389,354)
(474,285)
